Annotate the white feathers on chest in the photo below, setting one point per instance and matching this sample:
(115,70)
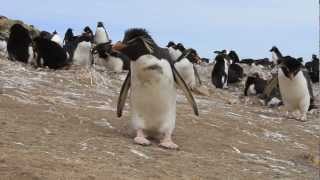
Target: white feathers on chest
(57,39)
(82,55)
(295,94)
(184,67)
(112,63)
(101,36)
(153,94)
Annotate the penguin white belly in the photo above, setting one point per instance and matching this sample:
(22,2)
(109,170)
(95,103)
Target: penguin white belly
(31,59)
(226,70)
(115,64)
(100,36)
(174,54)
(295,94)
(252,90)
(57,40)
(82,55)
(275,58)
(185,69)
(3,48)
(153,95)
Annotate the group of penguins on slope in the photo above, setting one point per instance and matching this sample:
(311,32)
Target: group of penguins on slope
(154,72)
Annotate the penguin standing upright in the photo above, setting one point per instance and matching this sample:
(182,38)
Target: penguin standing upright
(57,39)
(276,55)
(19,44)
(235,72)
(152,78)
(101,35)
(219,75)
(184,60)
(82,55)
(294,86)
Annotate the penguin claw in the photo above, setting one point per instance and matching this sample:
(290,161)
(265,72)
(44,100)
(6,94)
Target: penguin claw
(169,145)
(142,141)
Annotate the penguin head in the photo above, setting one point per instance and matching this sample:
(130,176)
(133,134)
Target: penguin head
(87,29)
(274,49)
(290,66)
(193,56)
(221,52)
(171,44)
(136,42)
(180,47)
(100,24)
(19,33)
(68,36)
(45,35)
(233,57)
(55,32)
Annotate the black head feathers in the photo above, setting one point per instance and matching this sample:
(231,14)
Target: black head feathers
(100,24)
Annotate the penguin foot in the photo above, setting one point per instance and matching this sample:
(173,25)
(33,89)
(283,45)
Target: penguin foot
(142,141)
(169,145)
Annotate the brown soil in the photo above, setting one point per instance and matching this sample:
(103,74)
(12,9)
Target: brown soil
(59,125)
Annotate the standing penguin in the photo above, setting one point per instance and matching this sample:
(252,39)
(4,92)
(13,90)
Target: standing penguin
(184,60)
(82,55)
(152,78)
(276,55)
(294,86)
(19,44)
(57,39)
(219,75)
(101,35)
(235,72)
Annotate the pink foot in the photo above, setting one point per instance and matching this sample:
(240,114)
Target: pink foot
(142,141)
(169,145)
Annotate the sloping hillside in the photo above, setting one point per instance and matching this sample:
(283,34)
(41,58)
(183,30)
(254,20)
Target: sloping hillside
(63,125)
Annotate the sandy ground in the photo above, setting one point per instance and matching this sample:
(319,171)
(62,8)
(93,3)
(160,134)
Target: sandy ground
(63,125)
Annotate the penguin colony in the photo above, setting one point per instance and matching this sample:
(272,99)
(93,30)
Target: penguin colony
(155,73)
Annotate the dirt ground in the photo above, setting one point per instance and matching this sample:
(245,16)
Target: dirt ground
(61,125)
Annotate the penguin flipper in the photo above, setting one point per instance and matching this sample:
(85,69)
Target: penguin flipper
(123,94)
(178,79)
(196,73)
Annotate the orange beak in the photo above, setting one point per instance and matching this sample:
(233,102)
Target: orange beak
(118,46)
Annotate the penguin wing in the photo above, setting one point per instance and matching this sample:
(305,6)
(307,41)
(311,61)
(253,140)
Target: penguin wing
(196,73)
(123,94)
(178,79)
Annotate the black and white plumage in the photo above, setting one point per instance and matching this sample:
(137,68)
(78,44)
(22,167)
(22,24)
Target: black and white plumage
(105,56)
(313,68)
(50,54)
(82,54)
(152,79)
(88,33)
(294,86)
(276,55)
(254,85)
(19,44)
(101,35)
(56,38)
(219,75)
(70,43)
(184,62)
(235,71)
(3,47)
